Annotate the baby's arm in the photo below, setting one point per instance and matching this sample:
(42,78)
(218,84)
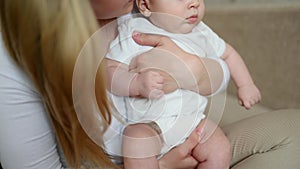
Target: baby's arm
(248,93)
(122,82)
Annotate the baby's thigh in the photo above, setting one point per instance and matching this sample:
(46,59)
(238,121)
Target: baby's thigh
(213,144)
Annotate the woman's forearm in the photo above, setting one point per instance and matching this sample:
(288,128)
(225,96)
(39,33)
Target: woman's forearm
(180,69)
(185,71)
(204,77)
(209,75)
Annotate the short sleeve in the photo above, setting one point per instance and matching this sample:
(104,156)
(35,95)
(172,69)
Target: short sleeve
(215,46)
(123,48)
(226,76)
(27,137)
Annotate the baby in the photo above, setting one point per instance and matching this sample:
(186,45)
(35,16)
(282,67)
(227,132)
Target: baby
(182,110)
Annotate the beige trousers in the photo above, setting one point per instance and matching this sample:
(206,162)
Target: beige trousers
(266,141)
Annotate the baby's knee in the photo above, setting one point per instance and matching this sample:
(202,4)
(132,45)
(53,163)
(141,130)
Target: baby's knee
(139,130)
(140,140)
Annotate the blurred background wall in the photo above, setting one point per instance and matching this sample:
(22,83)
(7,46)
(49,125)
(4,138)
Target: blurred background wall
(267,35)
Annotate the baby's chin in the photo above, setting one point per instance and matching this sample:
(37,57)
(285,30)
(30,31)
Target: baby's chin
(173,24)
(180,29)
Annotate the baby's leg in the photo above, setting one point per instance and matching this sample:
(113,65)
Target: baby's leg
(141,145)
(215,152)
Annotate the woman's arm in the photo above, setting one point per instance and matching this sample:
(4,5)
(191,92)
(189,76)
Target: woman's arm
(179,68)
(27,137)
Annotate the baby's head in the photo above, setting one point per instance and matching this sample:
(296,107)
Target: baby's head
(177,16)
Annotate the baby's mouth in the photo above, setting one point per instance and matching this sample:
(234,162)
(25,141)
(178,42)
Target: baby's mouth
(192,19)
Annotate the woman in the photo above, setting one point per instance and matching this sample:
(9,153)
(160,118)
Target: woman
(43,40)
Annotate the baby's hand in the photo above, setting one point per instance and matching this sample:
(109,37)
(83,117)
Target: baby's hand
(248,95)
(150,84)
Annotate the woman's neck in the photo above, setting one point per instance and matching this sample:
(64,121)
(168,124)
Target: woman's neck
(108,31)
(103,22)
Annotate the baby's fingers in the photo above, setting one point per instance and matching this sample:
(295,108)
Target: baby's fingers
(245,103)
(258,98)
(159,79)
(241,102)
(255,99)
(155,94)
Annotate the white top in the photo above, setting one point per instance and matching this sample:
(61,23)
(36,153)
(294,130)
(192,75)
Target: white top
(27,139)
(202,41)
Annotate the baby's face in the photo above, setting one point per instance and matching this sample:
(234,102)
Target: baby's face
(177,16)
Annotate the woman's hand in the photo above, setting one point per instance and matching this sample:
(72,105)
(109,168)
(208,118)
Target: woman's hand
(179,68)
(180,157)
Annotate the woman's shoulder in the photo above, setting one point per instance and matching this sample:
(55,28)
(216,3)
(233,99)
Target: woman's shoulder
(10,73)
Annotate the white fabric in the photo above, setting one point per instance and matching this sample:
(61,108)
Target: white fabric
(172,108)
(202,41)
(27,139)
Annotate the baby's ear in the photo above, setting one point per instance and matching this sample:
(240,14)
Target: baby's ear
(143,6)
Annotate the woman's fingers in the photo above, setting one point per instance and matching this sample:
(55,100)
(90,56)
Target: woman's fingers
(133,65)
(147,39)
(188,163)
(191,142)
(180,157)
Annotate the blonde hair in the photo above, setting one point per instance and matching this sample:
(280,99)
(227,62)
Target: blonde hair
(45,37)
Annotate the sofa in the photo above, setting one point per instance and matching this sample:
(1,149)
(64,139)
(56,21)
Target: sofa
(267,36)
(266,33)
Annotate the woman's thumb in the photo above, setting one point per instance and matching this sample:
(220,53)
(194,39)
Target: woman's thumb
(146,39)
(133,64)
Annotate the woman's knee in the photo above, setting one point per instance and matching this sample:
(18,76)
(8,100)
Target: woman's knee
(268,134)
